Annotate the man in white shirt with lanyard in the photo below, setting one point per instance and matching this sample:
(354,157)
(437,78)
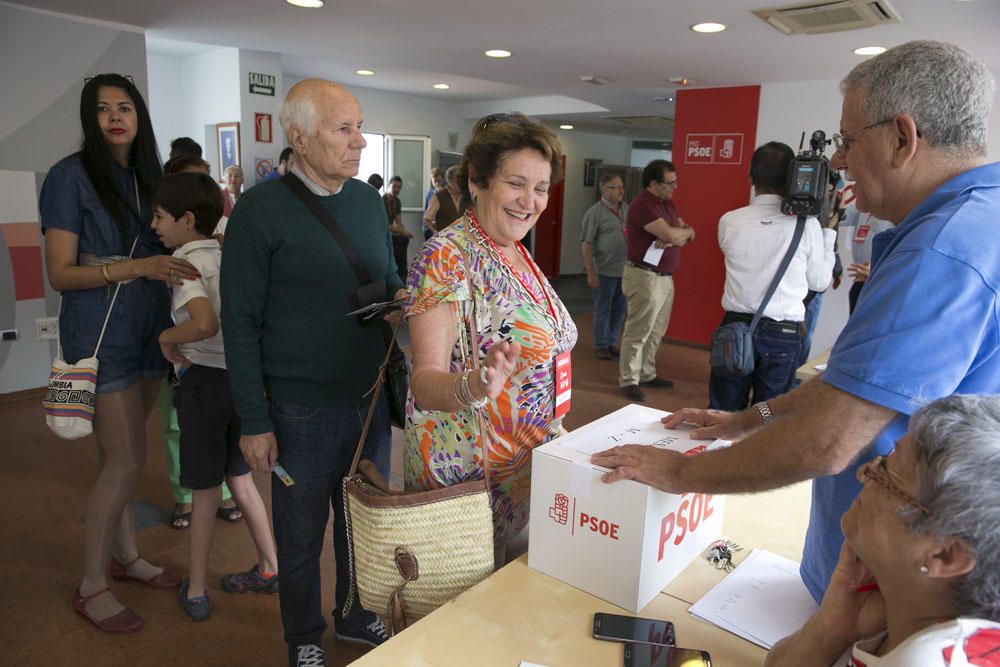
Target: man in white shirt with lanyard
(754,239)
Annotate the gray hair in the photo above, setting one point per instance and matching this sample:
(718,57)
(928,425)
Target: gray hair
(300,111)
(606,178)
(958,479)
(946,91)
(452,171)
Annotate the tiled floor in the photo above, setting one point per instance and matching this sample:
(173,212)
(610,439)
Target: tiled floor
(44,482)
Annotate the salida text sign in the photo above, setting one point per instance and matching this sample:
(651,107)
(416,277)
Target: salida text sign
(262,84)
(713,148)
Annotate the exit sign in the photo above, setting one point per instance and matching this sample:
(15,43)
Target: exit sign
(262,84)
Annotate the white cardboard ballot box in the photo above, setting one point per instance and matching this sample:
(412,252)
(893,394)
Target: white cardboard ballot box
(623,542)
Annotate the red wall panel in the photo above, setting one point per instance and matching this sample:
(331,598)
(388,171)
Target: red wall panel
(715,133)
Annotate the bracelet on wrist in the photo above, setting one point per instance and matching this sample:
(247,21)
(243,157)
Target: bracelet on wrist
(106,274)
(765,412)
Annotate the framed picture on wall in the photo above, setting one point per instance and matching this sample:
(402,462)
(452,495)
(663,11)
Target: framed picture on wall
(228,135)
(590,166)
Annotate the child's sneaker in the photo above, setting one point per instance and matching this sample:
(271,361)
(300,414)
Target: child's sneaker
(251,581)
(198,608)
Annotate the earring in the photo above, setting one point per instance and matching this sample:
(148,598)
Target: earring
(924,569)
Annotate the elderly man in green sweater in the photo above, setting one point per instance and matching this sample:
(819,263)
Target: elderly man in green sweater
(298,366)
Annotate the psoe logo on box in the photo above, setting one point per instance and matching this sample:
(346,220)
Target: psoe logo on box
(675,526)
(559,512)
(699,148)
(728,148)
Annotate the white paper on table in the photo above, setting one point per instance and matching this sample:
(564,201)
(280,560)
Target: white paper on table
(653,255)
(763,600)
(635,425)
(819,367)
(525,663)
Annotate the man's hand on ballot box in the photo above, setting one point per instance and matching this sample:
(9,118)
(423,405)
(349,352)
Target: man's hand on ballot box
(660,468)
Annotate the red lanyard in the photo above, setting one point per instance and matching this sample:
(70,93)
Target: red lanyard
(517,276)
(617,213)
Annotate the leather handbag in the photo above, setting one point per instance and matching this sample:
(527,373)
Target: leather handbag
(410,552)
(732,355)
(397,373)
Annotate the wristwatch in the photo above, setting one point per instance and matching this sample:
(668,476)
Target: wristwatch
(765,411)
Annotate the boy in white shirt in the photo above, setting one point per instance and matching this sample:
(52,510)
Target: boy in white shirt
(186,208)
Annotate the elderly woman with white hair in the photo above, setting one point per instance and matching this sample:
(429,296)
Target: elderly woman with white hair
(918,582)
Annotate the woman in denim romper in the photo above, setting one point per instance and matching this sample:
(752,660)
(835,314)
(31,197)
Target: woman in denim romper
(95,212)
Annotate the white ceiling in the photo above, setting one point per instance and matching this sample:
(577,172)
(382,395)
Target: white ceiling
(637,45)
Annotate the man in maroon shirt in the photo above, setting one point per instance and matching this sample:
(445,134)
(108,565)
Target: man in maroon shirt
(652,225)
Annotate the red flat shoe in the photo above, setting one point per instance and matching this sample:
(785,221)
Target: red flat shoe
(163,580)
(123,622)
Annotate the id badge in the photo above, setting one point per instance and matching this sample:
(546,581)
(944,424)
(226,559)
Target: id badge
(564,383)
(862,233)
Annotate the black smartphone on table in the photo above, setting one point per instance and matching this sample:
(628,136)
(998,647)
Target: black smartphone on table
(652,655)
(630,629)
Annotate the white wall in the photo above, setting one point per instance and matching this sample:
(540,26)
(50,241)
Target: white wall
(578,146)
(188,93)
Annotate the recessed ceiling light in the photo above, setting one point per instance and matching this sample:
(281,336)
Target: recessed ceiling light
(498,53)
(310,4)
(869,50)
(565,127)
(681,80)
(441,86)
(708,27)
(365,72)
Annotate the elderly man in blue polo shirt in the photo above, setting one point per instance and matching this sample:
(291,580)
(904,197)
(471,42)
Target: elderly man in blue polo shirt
(913,136)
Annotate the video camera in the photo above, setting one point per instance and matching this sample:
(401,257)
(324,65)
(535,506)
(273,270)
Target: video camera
(808,176)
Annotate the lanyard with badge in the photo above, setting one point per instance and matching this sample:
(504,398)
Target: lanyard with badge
(862,231)
(561,368)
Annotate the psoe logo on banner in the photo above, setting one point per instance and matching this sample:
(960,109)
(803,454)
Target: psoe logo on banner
(699,148)
(728,148)
(559,511)
(714,148)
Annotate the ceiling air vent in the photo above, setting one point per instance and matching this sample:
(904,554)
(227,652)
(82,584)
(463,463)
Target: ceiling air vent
(813,18)
(641,120)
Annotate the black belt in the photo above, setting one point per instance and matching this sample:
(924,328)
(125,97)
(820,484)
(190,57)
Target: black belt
(787,326)
(651,269)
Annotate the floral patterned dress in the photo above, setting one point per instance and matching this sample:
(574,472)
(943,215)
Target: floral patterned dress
(443,448)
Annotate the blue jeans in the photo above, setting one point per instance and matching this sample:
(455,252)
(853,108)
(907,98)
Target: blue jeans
(812,317)
(609,311)
(776,353)
(316,446)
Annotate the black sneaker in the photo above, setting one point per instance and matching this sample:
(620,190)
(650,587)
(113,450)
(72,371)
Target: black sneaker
(633,392)
(603,353)
(307,655)
(658,383)
(360,627)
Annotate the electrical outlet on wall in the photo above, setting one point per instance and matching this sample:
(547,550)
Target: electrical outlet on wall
(9,335)
(48,328)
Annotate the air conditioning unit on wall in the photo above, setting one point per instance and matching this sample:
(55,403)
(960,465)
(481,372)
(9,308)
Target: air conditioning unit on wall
(812,18)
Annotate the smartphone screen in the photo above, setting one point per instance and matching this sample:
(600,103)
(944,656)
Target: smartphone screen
(629,629)
(652,655)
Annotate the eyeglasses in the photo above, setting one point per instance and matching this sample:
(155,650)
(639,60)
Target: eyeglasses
(500,118)
(842,142)
(88,79)
(672,183)
(877,471)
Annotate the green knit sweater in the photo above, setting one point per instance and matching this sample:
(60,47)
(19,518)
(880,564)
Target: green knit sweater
(285,285)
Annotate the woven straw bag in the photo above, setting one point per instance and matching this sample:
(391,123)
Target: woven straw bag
(410,552)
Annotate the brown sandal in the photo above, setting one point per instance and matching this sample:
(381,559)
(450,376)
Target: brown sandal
(124,621)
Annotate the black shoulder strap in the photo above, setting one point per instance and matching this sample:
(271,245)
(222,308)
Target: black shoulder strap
(800,226)
(316,207)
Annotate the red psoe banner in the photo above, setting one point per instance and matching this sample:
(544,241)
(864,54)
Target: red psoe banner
(715,133)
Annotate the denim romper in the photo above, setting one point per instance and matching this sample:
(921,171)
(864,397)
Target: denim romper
(130,350)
